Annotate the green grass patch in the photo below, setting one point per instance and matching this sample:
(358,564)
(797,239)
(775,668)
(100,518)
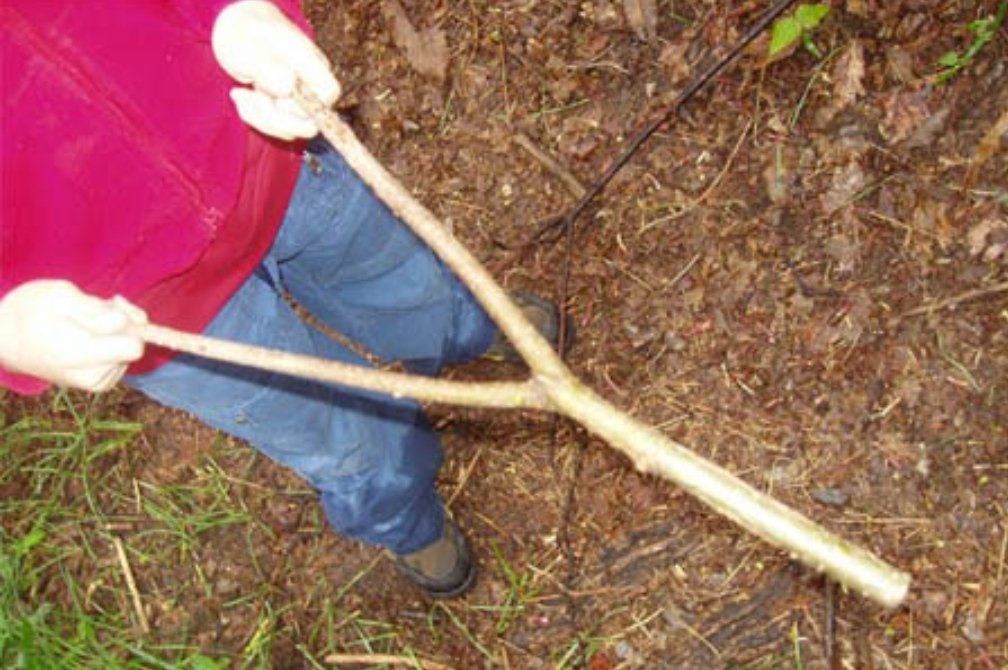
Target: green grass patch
(62,599)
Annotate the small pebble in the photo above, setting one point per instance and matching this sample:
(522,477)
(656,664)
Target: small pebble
(674,342)
(973,630)
(829,496)
(624,650)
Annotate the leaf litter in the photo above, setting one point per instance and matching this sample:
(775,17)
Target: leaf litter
(827,323)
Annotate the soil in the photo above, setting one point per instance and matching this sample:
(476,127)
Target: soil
(801,277)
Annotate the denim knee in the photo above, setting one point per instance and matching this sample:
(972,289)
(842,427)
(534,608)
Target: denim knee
(374,458)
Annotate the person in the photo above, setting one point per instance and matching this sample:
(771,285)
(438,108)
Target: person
(155,165)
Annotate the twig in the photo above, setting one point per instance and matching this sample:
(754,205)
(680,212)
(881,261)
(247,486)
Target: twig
(464,478)
(1004,551)
(717,180)
(682,273)
(131,584)
(378,659)
(561,173)
(505,395)
(896,223)
(694,633)
(829,636)
(955,300)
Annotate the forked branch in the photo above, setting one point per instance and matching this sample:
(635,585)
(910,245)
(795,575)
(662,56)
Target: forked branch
(553,386)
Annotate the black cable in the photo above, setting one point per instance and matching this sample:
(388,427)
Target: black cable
(635,144)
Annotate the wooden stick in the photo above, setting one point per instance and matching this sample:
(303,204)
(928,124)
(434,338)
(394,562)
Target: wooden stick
(955,300)
(649,449)
(388,659)
(503,395)
(559,171)
(131,584)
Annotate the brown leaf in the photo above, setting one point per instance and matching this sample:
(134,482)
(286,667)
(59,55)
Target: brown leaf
(932,217)
(845,251)
(776,181)
(606,14)
(900,64)
(927,132)
(988,238)
(847,182)
(848,74)
(991,140)
(642,16)
(426,50)
(904,112)
(858,7)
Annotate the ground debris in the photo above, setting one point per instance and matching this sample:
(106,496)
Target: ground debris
(426,50)
(829,323)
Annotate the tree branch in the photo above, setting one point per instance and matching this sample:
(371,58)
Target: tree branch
(502,395)
(647,448)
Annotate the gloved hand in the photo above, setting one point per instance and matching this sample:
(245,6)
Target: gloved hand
(256,44)
(52,330)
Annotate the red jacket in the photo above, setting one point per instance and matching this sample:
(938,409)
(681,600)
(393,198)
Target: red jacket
(123,165)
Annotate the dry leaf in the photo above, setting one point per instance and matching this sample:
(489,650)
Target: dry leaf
(909,390)
(904,112)
(858,7)
(900,64)
(426,50)
(845,252)
(927,132)
(991,140)
(932,217)
(673,59)
(776,184)
(642,15)
(847,183)
(848,74)
(988,238)
(777,178)
(849,322)
(606,13)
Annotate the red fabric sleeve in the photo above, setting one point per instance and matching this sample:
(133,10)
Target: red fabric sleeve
(208,188)
(22,384)
(203,13)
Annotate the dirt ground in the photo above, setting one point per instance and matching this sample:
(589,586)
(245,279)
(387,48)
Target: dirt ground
(802,277)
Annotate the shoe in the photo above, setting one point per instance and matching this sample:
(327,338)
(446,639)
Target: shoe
(544,315)
(444,569)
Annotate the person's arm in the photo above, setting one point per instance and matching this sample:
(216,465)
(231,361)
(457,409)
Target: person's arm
(52,331)
(258,45)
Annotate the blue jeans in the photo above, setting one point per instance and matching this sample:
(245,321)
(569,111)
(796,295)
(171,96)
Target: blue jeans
(347,259)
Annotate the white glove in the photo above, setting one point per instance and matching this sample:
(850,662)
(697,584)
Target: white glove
(52,330)
(256,44)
